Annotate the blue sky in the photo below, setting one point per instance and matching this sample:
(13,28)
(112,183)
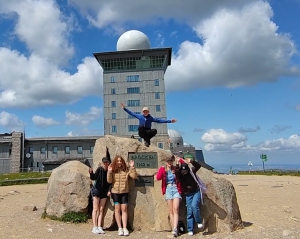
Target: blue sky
(233,86)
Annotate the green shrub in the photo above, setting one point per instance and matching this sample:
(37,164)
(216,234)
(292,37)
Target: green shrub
(73,217)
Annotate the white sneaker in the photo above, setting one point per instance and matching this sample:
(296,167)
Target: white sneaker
(126,232)
(101,230)
(190,233)
(175,232)
(95,230)
(120,232)
(200,225)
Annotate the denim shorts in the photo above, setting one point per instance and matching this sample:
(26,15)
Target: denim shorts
(172,192)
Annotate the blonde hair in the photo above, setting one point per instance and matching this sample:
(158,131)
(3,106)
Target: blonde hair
(172,166)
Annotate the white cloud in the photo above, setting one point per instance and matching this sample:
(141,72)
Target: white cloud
(83,119)
(290,143)
(85,132)
(220,140)
(239,48)
(33,81)
(11,122)
(42,122)
(116,14)
(42,27)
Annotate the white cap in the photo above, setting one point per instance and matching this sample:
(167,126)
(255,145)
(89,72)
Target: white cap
(145,108)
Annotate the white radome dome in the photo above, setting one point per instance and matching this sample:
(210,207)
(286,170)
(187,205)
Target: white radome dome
(133,40)
(175,137)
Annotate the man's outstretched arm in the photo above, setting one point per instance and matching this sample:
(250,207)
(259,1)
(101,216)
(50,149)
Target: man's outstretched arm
(129,112)
(158,120)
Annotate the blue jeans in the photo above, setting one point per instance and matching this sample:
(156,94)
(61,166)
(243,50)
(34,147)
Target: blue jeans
(193,210)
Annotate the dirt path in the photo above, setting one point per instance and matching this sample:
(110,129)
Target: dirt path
(269,206)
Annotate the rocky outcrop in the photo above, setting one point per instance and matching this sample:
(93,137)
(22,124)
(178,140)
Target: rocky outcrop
(220,209)
(147,208)
(68,189)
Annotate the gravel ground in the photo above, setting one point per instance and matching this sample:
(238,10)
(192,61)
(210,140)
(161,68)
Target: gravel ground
(269,206)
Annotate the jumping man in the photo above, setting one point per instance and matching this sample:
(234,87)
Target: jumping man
(145,121)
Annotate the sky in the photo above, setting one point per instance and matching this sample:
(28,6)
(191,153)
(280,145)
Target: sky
(233,84)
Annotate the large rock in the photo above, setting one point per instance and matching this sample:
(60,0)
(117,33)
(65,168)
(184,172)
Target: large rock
(147,208)
(68,189)
(220,209)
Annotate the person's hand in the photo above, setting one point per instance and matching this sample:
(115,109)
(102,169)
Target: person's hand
(131,163)
(108,194)
(109,168)
(122,105)
(173,120)
(90,170)
(188,160)
(177,159)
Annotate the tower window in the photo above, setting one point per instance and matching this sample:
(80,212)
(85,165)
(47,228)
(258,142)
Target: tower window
(133,102)
(157,108)
(113,115)
(133,128)
(156,82)
(113,79)
(113,104)
(133,90)
(114,128)
(157,95)
(134,78)
(113,91)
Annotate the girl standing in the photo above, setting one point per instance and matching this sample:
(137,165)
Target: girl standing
(172,189)
(100,191)
(118,175)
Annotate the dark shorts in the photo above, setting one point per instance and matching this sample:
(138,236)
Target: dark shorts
(121,198)
(99,193)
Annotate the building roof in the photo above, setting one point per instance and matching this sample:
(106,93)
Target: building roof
(175,137)
(71,138)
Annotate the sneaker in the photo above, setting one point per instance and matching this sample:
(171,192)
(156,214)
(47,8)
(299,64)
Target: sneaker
(190,233)
(95,230)
(126,232)
(120,232)
(200,225)
(175,232)
(101,230)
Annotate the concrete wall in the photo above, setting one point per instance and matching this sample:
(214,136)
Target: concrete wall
(146,96)
(16,152)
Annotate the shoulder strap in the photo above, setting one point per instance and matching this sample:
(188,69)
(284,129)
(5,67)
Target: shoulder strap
(197,180)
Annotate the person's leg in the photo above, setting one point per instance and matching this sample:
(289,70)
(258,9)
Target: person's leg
(150,133)
(196,209)
(176,202)
(143,134)
(95,213)
(100,218)
(189,213)
(170,206)
(117,202)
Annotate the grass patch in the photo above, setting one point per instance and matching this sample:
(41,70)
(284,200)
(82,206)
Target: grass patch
(24,178)
(15,176)
(73,217)
(271,173)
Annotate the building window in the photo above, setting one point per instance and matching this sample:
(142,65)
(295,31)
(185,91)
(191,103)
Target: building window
(133,103)
(156,82)
(157,108)
(114,128)
(43,150)
(30,150)
(133,128)
(133,90)
(113,115)
(160,145)
(131,117)
(157,95)
(134,78)
(67,150)
(9,152)
(79,149)
(113,79)
(91,149)
(113,91)
(113,104)
(55,149)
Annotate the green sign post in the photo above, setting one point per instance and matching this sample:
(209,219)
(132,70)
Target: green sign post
(264,159)
(144,159)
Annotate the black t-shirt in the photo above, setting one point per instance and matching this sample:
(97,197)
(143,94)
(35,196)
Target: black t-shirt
(100,177)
